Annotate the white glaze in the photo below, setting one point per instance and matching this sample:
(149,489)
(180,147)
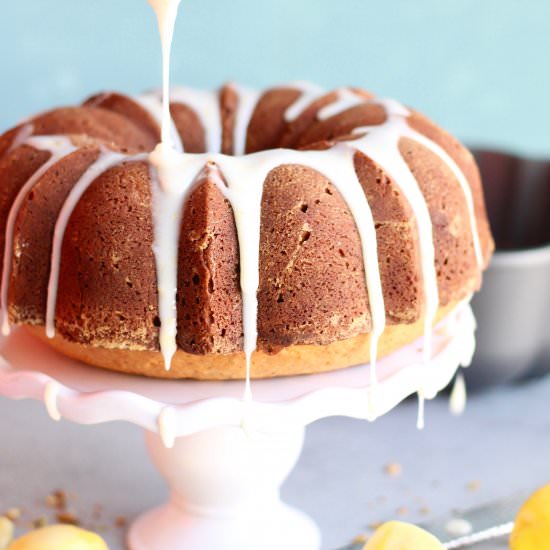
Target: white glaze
(206,105)
(245,178)
(59,147)
(87,397)
(381,144)
(247,100)
(345,99)
(51,391)
(106,160)
(22,135)
(175,174)
(171,179)
(166,12)
(152,103)
(464,185)
(310,93)
(167,193)
(458,397)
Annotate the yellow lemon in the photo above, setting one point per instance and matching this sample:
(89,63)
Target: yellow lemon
(532,526)
(396,535)
(6,532)
(59,537)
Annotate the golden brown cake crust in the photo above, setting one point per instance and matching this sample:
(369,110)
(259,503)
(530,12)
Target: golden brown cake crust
(312,289)
(292,360)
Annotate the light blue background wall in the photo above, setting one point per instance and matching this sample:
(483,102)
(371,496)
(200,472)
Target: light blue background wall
(480,68)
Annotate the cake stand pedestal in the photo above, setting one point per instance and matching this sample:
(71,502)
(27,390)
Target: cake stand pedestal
(224,459)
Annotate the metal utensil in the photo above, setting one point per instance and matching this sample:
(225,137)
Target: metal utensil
(493,521)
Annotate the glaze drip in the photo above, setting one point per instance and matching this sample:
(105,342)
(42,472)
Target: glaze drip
(247,100)
(309,93)
(51,392)
(167,191)
(166,12)
(205,103)
(458,398)
(106,160)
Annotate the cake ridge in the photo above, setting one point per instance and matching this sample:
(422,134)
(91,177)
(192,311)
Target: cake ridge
(106,159)
(59,147)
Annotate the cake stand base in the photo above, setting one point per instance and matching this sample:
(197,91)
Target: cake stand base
(172,529)
(225,493)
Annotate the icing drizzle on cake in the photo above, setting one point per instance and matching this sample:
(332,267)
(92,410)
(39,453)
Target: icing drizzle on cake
(241,178)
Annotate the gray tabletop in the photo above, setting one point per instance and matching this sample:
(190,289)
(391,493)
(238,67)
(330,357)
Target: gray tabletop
(500,445)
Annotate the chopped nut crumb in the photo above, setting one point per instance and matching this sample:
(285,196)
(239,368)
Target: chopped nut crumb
(6,532)
(120,521)
(393,469)
(68,517)
(402,511)
(41,521)
(374,526)
(360,539)
(13,514)
(57,500)
(473,485)
(425,510)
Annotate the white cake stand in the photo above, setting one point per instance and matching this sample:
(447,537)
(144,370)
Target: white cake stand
(224,479)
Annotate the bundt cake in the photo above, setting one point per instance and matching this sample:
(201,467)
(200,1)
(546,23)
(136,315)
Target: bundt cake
(317,229)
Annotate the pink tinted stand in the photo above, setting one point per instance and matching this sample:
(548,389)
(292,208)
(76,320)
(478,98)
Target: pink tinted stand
(223,459)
